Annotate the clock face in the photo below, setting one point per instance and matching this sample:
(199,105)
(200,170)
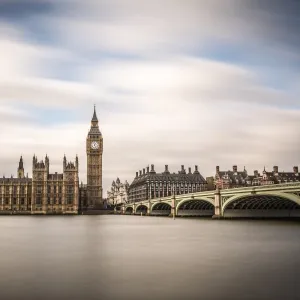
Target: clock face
(94,145)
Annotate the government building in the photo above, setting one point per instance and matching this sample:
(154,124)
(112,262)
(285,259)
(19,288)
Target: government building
(56,193)
(148,184)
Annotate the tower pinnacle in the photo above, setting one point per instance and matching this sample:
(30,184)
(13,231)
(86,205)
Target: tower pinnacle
(21,168)
(94,119)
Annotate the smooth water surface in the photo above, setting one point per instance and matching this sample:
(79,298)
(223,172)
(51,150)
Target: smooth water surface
(134,257)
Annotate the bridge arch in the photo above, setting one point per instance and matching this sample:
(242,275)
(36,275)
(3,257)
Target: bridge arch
(262,205)
(129,210)
(119,206)
(195,207)
(161,208)
(141,208)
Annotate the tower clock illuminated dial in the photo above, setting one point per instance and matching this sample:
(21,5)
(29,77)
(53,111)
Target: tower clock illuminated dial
(94,145)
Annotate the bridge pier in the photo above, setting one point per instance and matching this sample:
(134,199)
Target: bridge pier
(218,205)
(173,207)
(149,208)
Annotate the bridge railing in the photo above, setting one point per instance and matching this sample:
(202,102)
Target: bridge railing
(267,186)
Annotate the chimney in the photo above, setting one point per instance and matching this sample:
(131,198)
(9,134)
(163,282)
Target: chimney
(196,168)
(217,169)
(234,168)
(255,173)
(166,168)
(147,170)
(140,173)
(295,169)
(275,169)
(182,168)
(190,170)
(152,168)
(136,174)
(144,171)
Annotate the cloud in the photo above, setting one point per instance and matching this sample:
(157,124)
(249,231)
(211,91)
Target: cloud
(150,29)
(184,111)
(159,100)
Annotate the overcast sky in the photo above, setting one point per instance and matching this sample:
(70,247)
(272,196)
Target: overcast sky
(177,82)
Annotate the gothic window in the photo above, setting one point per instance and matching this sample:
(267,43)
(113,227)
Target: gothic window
(14,201)
(38,200)
(70,199)
(22,201)
(39,189)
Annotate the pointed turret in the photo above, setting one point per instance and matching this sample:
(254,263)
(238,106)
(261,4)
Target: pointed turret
(47,161)
(94,119)
(76,162)
(21,163)
(21,168)
(64,162)
(94,124)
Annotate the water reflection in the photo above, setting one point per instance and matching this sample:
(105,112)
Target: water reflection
(133,257)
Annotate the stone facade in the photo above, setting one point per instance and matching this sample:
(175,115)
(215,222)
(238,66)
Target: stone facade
(94,150)
(231,179)
(118,193)
(148,184)
(44,193)
(235,178)
(56,193)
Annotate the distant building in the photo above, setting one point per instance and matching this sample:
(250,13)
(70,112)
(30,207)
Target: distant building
(210,183)
(54,193)
(235,178)
(276,177)
(231,179)
(118,193)
(148,184)
(44,192)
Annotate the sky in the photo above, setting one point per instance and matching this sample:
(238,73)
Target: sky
(175,82)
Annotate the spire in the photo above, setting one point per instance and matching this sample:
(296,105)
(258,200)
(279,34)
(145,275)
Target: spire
(21,168)
(21,163)
(94,119)
(76,161)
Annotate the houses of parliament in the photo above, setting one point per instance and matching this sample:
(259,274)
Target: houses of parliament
(47,193)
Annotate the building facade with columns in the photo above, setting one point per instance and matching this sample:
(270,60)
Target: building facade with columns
(56,193)
(148,184)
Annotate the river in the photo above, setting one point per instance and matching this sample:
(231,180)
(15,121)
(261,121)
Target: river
(135,257)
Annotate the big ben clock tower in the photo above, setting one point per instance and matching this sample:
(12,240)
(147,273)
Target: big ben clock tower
(94,150)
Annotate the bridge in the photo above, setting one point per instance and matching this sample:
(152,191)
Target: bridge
(277,200)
